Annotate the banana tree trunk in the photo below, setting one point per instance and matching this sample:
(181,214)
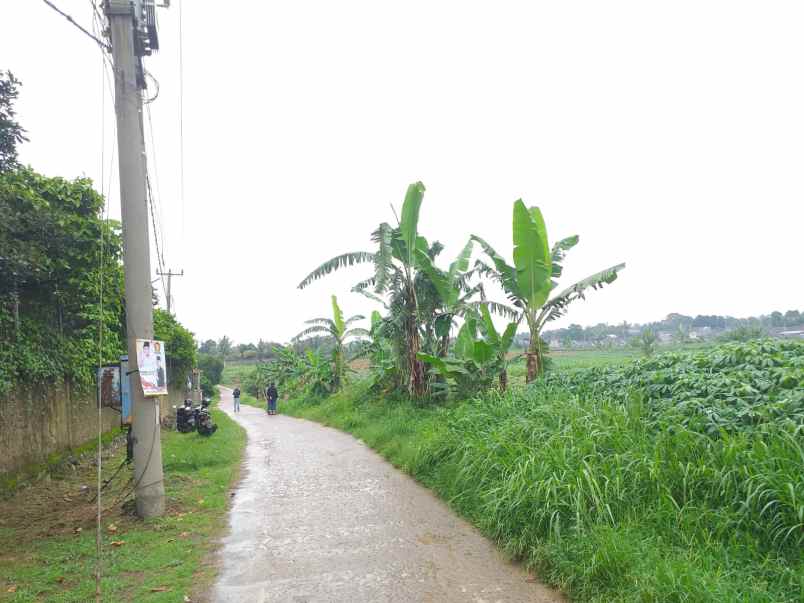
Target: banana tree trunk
(417,385)
(534,358)
(503,380)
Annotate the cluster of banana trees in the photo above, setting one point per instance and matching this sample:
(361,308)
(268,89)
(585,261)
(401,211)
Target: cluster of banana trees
(310,372)
(411,345)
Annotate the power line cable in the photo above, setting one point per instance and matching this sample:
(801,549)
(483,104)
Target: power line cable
(99,42)
(181,128)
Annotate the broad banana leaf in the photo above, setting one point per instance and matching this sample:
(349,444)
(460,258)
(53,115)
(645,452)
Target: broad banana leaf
(489,330)
(442,325)
(507,338)
(461,263)
(448,369)
(483,352)
(446,290)
(532,258)
(465,341)
(341,261)
(557,305)
(409,223)
(337,315)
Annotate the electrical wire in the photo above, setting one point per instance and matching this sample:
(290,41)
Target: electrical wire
(181,128)
(101,270)
(99,42)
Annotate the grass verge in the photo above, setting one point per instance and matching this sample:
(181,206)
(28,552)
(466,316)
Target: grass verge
(596,501)
(47,534)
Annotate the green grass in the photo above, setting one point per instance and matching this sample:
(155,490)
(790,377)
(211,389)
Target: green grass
(234,373)
(597,499)
(166,552)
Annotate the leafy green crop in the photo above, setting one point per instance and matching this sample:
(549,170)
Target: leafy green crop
(734,387)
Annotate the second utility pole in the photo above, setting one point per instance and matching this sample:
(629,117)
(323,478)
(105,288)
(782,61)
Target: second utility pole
(170,274)
(149,487)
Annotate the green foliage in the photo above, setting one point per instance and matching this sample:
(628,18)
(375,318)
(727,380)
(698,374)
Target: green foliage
(605,479)
(528,282)
(338,330)
(733,387)
(646,342)
(181,352)
(11,133)
(50,280)
(211,367)
(743,333)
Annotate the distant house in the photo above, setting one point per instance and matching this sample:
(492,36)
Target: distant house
(795,333)
(701,333)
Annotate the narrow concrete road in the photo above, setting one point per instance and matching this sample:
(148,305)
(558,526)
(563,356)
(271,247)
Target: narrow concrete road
(319,517)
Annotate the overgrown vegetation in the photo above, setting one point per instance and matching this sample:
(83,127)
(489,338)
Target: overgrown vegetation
(424,302)
(48,540)
(675,478)
(56,253)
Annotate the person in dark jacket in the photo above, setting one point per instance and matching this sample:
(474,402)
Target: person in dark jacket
(236,396)
(271,395)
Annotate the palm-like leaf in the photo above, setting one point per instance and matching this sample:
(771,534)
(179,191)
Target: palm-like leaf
(371,296)
(498,309)
(383,259)
(558,252)
(325,322)
(354,318)
(357,332)
(502,271)
(557,306)
(311,331)
(341,261)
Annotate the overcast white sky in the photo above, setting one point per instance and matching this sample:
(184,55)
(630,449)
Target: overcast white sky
(669,135)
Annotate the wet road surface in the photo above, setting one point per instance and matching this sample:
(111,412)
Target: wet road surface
(319,517)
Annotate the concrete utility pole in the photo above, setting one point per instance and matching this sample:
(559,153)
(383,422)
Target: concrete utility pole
(169,274)
(150,488)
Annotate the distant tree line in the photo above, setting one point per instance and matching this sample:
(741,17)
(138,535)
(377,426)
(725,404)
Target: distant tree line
(679,326)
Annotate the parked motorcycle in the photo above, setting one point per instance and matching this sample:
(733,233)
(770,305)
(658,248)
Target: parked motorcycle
(203,419)
(186,417)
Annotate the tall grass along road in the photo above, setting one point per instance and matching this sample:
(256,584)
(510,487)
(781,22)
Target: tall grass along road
(319,517)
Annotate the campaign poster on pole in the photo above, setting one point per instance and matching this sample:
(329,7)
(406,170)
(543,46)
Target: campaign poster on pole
(152,367)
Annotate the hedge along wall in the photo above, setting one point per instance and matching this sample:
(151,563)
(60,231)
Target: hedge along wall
(37,421)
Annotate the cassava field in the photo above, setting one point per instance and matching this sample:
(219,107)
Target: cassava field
(674,478)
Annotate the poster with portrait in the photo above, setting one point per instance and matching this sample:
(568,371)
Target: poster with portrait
(109,386)
(152,367)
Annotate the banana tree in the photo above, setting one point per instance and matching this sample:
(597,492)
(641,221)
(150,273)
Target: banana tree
(395,267)
(338,329)
(476,361)
(500,343)
(453,291)
(529,282)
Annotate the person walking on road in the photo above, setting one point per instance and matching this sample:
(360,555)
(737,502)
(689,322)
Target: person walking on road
(271,395)
(236,396)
